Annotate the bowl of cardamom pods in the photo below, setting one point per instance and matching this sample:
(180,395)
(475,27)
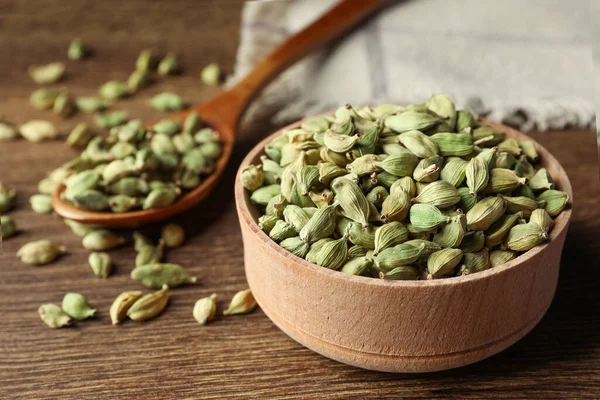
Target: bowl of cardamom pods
(403,238)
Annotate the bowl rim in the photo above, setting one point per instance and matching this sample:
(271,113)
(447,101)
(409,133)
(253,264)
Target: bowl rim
(561,222)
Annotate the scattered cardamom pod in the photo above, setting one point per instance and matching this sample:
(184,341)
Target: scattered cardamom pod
(167,101)
(49,73)
(149,305)
(77,50)
(113,90)
(53,316)
(44,98)
(40,252)
(242,303)
(102,239)
(168,65)
(173,235)
(76,306)
(8,227)
(41,203)
(101,264)
(119,307)
(156,275)
(205,309)
(211,74)
(36,131)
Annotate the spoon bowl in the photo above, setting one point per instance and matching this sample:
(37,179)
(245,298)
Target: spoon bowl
(224,111)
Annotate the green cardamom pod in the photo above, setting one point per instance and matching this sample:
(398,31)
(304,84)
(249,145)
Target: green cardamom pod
(113,90)
(205,309)
(243,302)
(40,252)
(387,180)
(496,234)
(511,146)
(299,199)
(296,216)
(92,200)
(53,316)
(377,196)
(306,178)
(464,120)
(49,73)
(329,253)
(401,273)
(499,257)
(352,200)
(41,203)
(263,194)
(7,198)
(121,203)
(129,186)
(453,144)
(428,169)
(173,235)
(77,50)
(556,201)
(167,101)
(425,217)
(36,131)
(80,229)
(296,246)
(362,236)
(401,254)
(159,198)
(119,307)
(428,247)
(477,175)
(7,227)
(149,305)
(167,127)
(156,275)
(252,177)
(267,222)
(401,164)
(212,150)
(475,262)
(452,234)
(503,180)
(541,181)
(524,169)
(102,239)
(389,235)
(419,144)
(443,106)
(522,204)
(505,160)
(473,242)
(364,165)
(7,132)
(454,171)
(64,105)
(406,184)
(443,263)
(483,214)
(321,225)
(524,237)
(316,124)
(439,193)
(411,120)
(211,74)
(541,217)
(101,264)
(529,150)
(339,143)
(43,98)
(168,65)
(145,61)
(150,254)
(395,207)
(111,119)
(206,135)
(466,200)
(282,230)
(91,104)
(76,306)
(357,251)
(80,136)
(357,266)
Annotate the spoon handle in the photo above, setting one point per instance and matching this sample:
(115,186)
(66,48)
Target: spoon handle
(338,20)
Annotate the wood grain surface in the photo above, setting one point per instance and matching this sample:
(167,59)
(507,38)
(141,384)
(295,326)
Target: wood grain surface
(242,356)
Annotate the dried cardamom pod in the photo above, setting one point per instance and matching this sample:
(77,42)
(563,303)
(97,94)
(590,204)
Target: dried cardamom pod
(316,124)
(167,101)
(40,252)
(511,146)
(466,200)
(395,207)
(496,234)
(505,160)
(149,254)
(464,120)
(80,136)
(64,105)
(556,201)
(267,222)
(78,228)
(428,169)
(357,266)
(168,65)
(473,242)
(77,50)
(53,316)
(389,235)
(401,273)
(443,263)
(121,203)
(296,216)
(92,200)
(387,180)
(524,237)
(483,214)
(91,104)
(411,120)
(524,169)
(296,246)
(156,275)
(452,233)
(49,73)
(118,309)
(362,236)
(477,175)
(321,224)
(282,230)
(529,150)
(542,218)
(329,253)
(159,198)
(252,177)
(503,180)
(357,251)
(242,303)
(43,98)
(211,74)
(499,257)
(453,144)
(401,254)
(475,262)
(113,90)
(339,143)
(149,305)
(418,143)
(173,235)
(364,165)
(352,200)
(401,164)
(263,194)
(76,306)
(439,193)
(205,309)
(428,247)
(7,227)
(41,203)
(425,217)
(541,181)
(101,264)
(454,171)
(443,106)
(522,204)
(102,239)
(406,184)
(36,131)
(110,119)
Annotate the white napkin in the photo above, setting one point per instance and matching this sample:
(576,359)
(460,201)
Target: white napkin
(528,63)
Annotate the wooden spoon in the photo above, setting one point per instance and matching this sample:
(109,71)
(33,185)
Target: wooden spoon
(224,111)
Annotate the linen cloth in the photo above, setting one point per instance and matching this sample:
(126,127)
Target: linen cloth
(524,62)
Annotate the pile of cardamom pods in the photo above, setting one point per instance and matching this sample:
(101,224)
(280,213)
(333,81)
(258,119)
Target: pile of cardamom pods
(421,191)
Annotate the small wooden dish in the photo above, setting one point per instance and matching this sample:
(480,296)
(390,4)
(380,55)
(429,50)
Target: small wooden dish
(402,326)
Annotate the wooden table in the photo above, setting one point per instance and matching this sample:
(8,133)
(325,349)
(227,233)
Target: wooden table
(242,356)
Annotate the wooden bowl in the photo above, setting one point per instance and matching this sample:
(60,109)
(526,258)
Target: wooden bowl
(402,326)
